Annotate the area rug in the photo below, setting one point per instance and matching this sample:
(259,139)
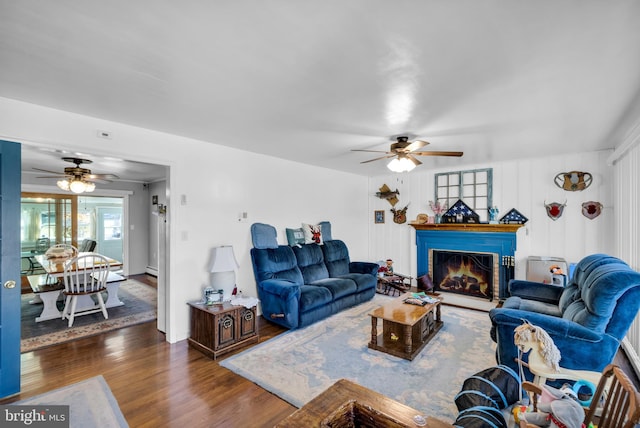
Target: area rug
(91,402)
(140,301)
(298,365)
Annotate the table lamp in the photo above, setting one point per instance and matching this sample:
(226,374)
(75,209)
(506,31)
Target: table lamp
(223,270)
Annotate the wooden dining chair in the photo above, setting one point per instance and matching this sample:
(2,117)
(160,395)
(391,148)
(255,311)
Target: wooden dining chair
(85,275)
(613,405)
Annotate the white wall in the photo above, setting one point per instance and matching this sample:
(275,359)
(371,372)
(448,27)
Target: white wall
(217,183)
(522,184)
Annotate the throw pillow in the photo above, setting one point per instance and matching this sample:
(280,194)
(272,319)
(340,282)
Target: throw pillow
(312,233)
(295,237)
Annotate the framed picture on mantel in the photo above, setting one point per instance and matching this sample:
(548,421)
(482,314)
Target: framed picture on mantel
(378,216)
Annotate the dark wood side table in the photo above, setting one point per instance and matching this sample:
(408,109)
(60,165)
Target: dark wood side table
(222,328)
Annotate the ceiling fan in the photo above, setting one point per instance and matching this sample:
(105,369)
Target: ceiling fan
(78,179)
(404,152)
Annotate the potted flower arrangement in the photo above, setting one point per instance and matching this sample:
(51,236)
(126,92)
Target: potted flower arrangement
(438,209)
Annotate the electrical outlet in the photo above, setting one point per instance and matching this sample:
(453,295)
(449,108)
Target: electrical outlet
(243,217)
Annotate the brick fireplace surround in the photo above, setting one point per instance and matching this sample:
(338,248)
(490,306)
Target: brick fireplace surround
(498,239)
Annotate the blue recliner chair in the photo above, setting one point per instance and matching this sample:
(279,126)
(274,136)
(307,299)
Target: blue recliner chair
(587,319)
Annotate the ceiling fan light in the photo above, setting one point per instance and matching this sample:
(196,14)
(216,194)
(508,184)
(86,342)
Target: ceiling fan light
(89,187)
(77,186)
(401,165)
(63,184)
(394,165)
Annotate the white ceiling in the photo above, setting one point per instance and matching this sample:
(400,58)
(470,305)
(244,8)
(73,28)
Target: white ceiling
(310,80)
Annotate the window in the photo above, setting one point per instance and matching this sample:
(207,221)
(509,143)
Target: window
(473,187)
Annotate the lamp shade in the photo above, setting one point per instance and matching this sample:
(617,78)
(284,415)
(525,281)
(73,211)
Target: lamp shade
(223,259)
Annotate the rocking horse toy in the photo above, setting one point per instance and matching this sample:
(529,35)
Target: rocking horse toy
(544,357)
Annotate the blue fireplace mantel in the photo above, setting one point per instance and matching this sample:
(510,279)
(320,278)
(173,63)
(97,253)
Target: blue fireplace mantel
(478,238)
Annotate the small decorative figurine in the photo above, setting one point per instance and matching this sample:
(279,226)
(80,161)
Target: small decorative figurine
(493,215)
(389,270)
(386,193)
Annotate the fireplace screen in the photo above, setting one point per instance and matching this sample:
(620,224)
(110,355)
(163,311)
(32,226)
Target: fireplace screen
(463,272)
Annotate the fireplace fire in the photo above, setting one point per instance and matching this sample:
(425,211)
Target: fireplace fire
(472,274)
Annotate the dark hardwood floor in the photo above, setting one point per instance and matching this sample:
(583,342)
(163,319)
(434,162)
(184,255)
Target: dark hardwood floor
(157,384)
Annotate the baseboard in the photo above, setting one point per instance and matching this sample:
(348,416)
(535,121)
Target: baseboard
(151,271)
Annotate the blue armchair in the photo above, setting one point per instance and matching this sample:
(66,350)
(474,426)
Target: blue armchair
(587,319)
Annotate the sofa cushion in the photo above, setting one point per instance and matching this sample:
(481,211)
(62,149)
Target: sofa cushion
(515,302)
(311,262)
(264,236)
(325,227)
(276,263)
(339,287)
(313,296)
(336,257)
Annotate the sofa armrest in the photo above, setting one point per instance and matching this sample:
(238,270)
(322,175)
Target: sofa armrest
(281,288)
(363,267)
(538,291)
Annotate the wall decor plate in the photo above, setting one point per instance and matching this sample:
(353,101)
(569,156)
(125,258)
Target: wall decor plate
(555,209)
(513,217)
(591,209)
(573,181)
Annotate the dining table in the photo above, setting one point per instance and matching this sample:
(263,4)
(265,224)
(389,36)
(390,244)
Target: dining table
(49,286)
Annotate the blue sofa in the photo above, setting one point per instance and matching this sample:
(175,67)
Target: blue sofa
(299,285)
(587,319)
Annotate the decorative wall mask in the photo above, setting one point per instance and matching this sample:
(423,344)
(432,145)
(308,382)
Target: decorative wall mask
(555,209)
(386,193)
(591,209)
(400,216)
(573,180)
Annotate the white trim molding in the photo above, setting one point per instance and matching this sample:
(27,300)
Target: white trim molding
(631,140)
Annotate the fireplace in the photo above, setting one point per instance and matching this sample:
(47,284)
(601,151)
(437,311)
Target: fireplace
(469,273)
(496,240)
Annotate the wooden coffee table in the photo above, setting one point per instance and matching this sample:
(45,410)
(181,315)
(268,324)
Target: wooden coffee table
(406,329)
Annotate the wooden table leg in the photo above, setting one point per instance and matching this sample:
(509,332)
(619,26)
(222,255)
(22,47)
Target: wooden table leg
(408,343)
(374,330)
(438,312)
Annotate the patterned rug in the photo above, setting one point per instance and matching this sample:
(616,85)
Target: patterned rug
(139,299)
(91,404)
(298,365)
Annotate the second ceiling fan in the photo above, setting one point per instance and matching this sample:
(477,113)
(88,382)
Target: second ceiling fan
(405,152)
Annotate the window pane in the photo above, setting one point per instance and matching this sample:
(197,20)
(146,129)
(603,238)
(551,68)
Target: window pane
(468,178)
(454,179)
(481,176)
(442,193)
(454,193)
(481,190)
(441,179)
(468,191)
